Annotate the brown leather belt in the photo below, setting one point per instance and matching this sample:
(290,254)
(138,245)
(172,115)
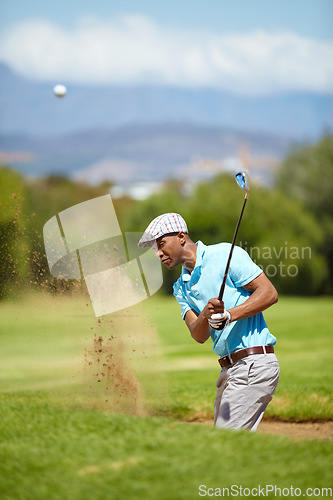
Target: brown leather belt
(229,360)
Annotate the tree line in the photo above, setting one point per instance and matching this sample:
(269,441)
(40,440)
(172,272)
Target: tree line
(286,229)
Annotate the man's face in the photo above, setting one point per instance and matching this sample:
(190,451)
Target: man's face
(169,249)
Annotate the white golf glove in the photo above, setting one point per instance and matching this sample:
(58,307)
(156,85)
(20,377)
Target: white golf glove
(220,321)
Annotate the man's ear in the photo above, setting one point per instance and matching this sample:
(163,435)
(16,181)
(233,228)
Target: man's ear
(182,238)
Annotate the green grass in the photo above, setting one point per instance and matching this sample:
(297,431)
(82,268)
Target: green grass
(50,453)
(68,431)
(45,343)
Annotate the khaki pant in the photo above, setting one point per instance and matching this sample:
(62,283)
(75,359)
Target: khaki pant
(244,391)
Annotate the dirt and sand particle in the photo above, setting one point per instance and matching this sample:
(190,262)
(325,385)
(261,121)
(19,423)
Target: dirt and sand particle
(107,368)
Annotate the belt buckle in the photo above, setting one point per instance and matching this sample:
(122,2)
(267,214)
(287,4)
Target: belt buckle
(228,359)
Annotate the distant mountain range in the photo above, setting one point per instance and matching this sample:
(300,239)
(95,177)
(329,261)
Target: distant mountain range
(29,107)
(148,133)
(146,152)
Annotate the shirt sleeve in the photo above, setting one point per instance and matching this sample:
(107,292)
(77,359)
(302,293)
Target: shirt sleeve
(181,299)
(242,268)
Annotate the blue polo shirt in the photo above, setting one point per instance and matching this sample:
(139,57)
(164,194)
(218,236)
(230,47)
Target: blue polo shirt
(193,290)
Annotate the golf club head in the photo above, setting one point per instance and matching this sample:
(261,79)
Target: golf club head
(242,181)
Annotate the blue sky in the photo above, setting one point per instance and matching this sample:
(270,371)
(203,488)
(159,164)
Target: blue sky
(245,46)
(313,18)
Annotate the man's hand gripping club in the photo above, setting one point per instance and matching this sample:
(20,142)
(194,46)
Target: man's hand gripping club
(217,317)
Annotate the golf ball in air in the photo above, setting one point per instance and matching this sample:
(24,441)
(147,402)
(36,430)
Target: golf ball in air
(60,90)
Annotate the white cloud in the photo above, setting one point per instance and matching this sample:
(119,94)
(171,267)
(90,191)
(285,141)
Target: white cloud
(133,49)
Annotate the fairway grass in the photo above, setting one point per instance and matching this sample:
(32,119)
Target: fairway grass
(97,408)
(48,452)
(52,343)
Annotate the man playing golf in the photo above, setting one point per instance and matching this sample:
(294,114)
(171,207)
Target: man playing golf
(250,369)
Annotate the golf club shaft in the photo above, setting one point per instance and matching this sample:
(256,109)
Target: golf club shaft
(231,250)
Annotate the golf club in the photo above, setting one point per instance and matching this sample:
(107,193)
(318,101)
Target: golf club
(242,181)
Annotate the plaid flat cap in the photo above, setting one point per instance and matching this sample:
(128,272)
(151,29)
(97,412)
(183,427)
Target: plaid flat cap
(161,225)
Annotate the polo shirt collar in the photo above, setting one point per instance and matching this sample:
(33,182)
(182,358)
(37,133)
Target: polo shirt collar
(201,248)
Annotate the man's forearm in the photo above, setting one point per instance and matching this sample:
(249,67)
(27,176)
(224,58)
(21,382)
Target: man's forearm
(260,299)
(198,326)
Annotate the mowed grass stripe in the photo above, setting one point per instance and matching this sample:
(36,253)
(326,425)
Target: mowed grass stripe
(44,341)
